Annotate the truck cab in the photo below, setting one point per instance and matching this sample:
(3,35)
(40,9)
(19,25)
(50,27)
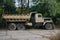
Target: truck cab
(38,21)
(36,17)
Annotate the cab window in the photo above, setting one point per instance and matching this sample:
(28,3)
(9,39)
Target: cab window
(39,15)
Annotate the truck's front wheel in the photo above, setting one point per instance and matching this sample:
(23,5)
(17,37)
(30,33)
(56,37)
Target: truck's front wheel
(12,26)
(49,26)
(20,27)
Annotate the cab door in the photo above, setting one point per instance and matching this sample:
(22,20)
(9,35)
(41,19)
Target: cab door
(33,18)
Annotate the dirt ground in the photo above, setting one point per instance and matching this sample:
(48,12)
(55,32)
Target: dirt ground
(31,34)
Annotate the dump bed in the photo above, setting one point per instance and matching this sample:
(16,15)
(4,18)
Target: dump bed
(16,17)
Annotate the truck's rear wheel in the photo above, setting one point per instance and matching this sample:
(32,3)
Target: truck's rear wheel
(20,27)
(49,26)
(12,26)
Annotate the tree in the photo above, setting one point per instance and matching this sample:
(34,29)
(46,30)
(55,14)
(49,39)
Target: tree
(1,7)
(46,7)
(41,7)
(10,7)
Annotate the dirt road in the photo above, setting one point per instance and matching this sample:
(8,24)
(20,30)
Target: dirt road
(28,34)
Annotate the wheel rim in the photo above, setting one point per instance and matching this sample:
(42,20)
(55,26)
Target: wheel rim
(20,27)
(48,26)
(12,26)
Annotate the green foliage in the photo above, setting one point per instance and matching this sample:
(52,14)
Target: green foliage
(1,7)
(1,11)
(46,7)
(10,7)
(58,8)
(42,7)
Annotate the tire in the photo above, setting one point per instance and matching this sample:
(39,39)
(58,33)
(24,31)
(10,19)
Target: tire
(49,26)
(20,27)
(12,26)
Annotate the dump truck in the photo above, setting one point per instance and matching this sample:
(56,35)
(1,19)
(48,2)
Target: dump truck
(32,20)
